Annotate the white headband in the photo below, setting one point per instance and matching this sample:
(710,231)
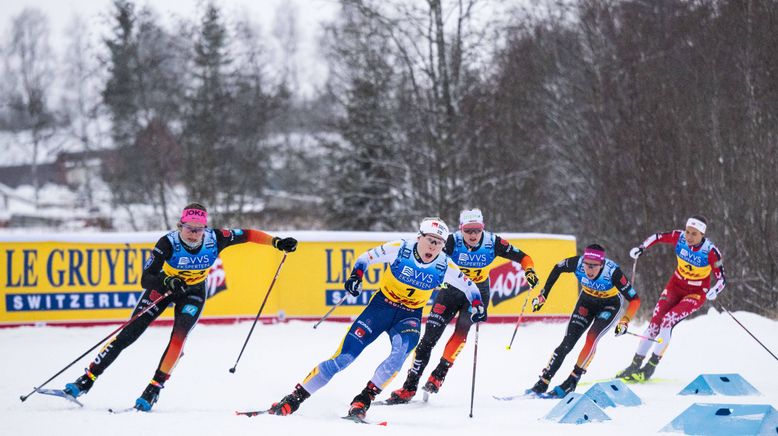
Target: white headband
(697,224)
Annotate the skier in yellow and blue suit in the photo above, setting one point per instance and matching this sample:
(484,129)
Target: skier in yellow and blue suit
(416,269)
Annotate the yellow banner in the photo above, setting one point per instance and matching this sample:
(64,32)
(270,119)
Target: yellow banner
(73,280)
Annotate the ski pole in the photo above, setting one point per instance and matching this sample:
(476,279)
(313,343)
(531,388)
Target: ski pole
(521,315)
(658,341)
(153,304)
(747,331)
(475,360)
(232,370)
(329,312)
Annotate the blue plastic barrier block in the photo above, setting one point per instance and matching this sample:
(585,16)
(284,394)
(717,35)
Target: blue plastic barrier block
(613,393)
(726,420)
(576,409)
(724,384)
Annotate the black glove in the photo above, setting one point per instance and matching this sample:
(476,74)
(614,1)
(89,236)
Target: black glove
(353,285)
(477,311)
(175,284)
(285,244)
(532,277)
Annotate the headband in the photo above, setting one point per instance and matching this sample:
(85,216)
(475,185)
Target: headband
(697,224)
(595,255)
(194,216)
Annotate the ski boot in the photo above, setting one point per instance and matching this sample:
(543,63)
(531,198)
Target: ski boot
(407,392)
(632,369)
(82,385)
(149,396)
(569,384)
(647,371)
(290,403)
(436,378)
(361,402)
(540,387)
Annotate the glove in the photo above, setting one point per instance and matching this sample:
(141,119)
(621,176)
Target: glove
(353,285)
(175,284)
(477,311)
(713,292)
(622,326)
(532,277)
(636,252)
(285,244)
(538,302)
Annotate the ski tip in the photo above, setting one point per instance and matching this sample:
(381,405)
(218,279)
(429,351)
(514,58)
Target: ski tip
(251,413)
(118,411)
(382,423)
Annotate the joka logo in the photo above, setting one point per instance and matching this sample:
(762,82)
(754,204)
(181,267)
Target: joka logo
(194,212)
(507,281)
(359,332)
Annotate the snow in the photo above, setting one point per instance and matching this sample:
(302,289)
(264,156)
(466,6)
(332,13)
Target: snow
(202,395)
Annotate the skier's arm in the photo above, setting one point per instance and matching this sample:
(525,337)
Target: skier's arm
(458,280)
(717,266)
(565,266)
(662,238)
(153,276)
(622,283)
(505,249)
(384,253)
(229,237)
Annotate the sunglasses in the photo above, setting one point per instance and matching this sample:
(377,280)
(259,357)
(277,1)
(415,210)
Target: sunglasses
(472,231)
(192,229)
(433,240)
(592,265)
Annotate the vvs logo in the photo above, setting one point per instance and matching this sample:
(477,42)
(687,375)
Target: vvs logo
(416,275)
(468,258)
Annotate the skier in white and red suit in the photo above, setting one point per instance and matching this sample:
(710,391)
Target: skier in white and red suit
(685,292)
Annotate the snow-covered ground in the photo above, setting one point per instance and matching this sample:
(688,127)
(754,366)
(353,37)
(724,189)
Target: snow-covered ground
(202,395)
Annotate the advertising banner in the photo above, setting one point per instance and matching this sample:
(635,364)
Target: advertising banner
(87,279)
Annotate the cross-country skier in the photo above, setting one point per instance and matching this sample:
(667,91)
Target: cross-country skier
(416,269)
(474,250)
(604,288)
(684,294)
(177,268)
